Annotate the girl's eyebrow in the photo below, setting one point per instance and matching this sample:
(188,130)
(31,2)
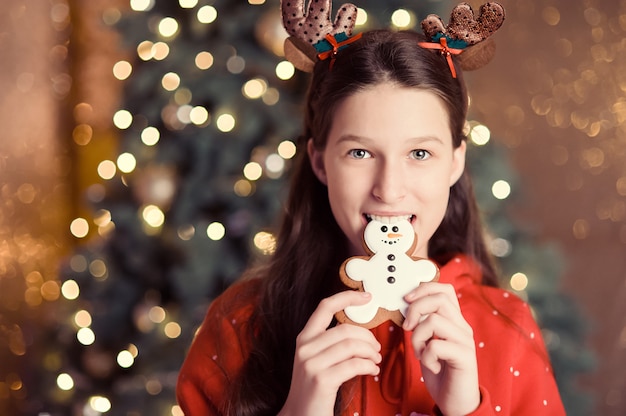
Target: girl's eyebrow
(354,138)
(367,140)
(423,139)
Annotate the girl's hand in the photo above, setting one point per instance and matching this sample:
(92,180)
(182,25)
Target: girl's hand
(326,358)
(444,343)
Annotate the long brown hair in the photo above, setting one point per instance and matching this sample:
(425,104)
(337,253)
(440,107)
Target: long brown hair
(310,244)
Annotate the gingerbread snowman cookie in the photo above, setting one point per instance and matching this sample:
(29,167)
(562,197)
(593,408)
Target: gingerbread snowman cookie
(389,273)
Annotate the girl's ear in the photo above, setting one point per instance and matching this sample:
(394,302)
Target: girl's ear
(316,158)
(458,162)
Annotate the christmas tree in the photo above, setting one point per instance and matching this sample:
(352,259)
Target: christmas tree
(210,115)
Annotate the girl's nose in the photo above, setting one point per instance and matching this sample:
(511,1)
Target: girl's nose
(390,183)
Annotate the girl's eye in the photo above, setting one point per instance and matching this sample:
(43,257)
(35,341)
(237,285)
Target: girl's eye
(420,154)
(359,154)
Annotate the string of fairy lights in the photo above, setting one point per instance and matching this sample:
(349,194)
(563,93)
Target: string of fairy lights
(179,113)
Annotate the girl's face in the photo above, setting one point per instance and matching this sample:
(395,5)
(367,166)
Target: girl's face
(389,153)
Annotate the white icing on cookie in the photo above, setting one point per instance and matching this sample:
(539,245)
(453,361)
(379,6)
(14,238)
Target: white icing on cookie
(390,273)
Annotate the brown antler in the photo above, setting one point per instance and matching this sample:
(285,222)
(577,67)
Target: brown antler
(314,25)
(308,28)
(464,26)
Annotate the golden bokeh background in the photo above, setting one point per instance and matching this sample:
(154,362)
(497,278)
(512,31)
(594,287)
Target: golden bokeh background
(555,95)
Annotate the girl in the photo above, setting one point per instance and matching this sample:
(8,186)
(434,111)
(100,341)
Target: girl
(382,138)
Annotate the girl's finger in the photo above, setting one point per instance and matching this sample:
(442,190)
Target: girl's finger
(438,303)
(440,328)
(351,368)
(455,356)
(433,288)
(343,351)
(343,332)
(328,307)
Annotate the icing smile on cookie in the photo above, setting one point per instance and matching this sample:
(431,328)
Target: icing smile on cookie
(392,238)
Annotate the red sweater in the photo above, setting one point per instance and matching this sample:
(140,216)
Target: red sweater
(514,372)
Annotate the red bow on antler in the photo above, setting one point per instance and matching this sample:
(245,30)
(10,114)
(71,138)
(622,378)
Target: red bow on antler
(332,54)
(445,51)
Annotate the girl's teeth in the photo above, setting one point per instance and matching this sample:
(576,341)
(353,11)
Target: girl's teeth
(390,220)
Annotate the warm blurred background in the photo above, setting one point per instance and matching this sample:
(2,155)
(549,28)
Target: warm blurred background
(144,146)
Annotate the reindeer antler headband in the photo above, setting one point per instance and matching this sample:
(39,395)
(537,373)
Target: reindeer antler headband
(314,36)
(313,33)
(465,33)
